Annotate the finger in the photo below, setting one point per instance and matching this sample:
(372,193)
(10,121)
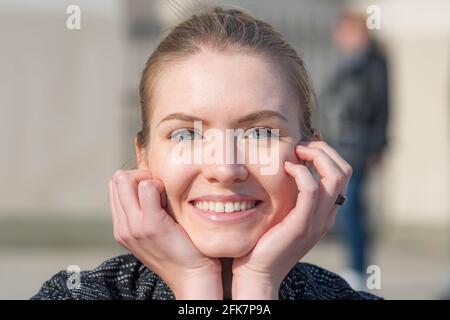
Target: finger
(123,230)
(343,165)
(151,196)
(332,177)
(324,164)
(126,185)
(133,177)
(306,203)
(136,174)
(335,183)
(294,230)
(113,211)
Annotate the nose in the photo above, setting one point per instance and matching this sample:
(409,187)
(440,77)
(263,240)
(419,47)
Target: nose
(225,174)
(221,148)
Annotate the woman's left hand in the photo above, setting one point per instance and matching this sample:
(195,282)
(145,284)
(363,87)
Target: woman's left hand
(258,275)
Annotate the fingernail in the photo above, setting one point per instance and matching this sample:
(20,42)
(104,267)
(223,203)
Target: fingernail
(145,184)
(288,163)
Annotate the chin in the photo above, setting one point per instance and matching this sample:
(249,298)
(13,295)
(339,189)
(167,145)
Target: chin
(218,246)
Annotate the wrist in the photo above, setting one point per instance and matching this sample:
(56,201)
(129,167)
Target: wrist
(195,290)
(204,287)
(248,288)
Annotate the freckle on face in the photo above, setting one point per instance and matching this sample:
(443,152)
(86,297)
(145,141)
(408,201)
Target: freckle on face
(221,88)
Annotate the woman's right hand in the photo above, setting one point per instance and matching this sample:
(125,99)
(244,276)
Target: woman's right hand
(143,226)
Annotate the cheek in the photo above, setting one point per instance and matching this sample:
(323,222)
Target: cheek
(282,191)
(280,186)
(175,177)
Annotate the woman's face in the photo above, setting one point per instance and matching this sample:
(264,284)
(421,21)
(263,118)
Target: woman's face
(225,90)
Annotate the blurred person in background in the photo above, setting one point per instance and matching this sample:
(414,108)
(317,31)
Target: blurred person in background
(353,117)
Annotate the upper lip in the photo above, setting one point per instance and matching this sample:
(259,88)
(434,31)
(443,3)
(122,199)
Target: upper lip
(224,198)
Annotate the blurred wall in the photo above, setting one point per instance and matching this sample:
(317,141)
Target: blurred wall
(61,97)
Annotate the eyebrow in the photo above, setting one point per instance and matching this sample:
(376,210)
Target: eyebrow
(252,117)
(262,115)
(181,117)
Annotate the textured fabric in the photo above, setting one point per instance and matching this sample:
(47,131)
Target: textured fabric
(125,277)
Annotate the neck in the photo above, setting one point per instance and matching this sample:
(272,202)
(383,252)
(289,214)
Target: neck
(227,277)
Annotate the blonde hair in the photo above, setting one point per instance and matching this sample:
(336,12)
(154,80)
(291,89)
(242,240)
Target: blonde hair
(226,29)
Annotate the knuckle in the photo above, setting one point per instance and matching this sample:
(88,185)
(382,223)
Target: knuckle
(122,237)
(312,189)
(117,237)
(120,176)
(338,179)
(126,237)
(143,233)
(348,170)
(137,234)
(123,178)
(118,173)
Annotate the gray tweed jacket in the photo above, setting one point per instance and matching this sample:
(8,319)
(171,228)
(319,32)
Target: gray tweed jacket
(125,277)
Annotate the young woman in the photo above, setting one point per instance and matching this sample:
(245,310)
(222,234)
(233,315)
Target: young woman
(221,229)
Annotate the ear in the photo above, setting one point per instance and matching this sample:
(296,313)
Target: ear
(141,158)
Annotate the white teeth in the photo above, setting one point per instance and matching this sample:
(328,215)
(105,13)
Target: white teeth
(225,207)
(219,207)
(199,205)
(229,207)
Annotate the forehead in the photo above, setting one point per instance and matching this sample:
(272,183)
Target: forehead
(223,85)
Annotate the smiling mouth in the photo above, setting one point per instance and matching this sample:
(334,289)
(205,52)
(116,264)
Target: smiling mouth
(226,207)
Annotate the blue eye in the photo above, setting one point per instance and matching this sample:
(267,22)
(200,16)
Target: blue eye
(262,133)
(184,134)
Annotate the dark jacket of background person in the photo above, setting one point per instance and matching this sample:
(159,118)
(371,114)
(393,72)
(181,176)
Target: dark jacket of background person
(353,111)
